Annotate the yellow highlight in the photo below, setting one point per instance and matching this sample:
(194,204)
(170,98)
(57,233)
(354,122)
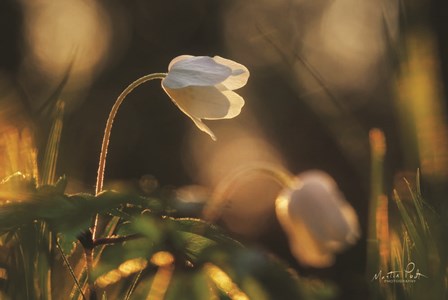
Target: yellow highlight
(132,266)
(3,274)
(224,282)
(61,32)
(125,269)
(377,142)
(382,229)
(108,278)
(422,103)
(162,259)
(17,152)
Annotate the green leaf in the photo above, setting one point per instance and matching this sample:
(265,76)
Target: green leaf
(195,244)
(202,228)
(67,243)
(149,227)
(61,184)
(410,225)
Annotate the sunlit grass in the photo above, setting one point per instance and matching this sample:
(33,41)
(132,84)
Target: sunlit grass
(406,248)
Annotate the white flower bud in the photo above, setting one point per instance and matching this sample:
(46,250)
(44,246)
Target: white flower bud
(317,219)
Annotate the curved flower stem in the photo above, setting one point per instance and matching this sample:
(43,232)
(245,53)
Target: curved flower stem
(89,252)
(217,200)
(108,130)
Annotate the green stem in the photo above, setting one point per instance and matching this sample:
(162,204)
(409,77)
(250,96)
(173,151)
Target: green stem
(108,130)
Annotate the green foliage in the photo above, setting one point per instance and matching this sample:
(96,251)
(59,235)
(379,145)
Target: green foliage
(34,216)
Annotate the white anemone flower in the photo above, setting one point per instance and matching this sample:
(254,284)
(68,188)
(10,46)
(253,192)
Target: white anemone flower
(202,87)
(317,219)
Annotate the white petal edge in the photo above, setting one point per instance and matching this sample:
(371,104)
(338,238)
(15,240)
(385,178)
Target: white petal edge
(178,59)
(240,74)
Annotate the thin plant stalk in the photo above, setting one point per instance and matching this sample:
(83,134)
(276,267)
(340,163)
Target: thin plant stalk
(108,130)
(103,155)
(378,151)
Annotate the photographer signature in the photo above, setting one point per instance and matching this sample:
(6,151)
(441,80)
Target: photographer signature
(410,273)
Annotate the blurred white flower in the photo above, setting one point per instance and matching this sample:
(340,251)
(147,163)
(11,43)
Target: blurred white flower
(317,219)
(202,87)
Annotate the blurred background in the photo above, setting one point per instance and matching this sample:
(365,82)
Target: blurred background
(323,73)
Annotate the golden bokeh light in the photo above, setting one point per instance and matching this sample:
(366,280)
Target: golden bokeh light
(125,269)
(249,202)
(350,34)
(237,145)
(109,278)
(132,266)
(224,282)
(162,259)
(63,32)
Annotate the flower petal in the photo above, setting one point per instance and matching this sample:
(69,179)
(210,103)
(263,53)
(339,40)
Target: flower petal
(206,102)
(197,121)
(301,242)
(178,59)
(240,74)
(199,124)
(236,104)
(317,219)
(320,205)
(187,71)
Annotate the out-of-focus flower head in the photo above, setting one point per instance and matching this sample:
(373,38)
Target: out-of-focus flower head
(202,87)
(317,219)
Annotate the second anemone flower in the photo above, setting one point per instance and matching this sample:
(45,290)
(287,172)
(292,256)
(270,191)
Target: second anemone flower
(316,217)
(202,87)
